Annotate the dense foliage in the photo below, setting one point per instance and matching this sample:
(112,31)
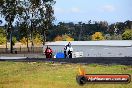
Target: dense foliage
(97,36)
(63,38)
(84,31)
(127,35)
(31,17)
(2,36)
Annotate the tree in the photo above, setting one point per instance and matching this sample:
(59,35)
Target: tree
(116,37)
(46,13)
(120,26)
(40,13)
(67,38)
(10,9)
(14,40)
(127,35)
(58,38)
(24,27)
(97,36)
(81,30)
(2,36)
(24,32)
(63,38)
(24,41)
(38,39)
(107,37)
(34,13)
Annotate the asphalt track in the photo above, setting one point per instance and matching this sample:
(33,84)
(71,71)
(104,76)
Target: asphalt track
(83,60)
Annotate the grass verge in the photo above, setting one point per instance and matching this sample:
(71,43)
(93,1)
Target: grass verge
(55,75)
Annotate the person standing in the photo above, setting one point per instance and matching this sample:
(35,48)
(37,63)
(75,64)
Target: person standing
(70,52)
(65,51)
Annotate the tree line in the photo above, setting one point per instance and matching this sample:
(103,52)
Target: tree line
(87,31)
(73,32)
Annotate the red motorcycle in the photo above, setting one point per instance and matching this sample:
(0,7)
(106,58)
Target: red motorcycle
(48,52)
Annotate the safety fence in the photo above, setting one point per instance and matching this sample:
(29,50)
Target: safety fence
(22,50)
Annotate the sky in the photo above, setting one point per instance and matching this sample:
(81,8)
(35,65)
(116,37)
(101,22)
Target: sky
(95,10)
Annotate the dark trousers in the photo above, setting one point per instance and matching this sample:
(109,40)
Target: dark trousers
(49,55)
(65,54)
(70,54)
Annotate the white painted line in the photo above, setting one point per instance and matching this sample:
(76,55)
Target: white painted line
(91,49)
(106,48)
(128,47)
(2,57)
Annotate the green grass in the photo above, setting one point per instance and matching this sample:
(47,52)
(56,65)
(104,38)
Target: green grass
(49,75)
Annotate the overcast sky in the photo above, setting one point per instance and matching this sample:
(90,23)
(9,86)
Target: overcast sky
(95,10)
